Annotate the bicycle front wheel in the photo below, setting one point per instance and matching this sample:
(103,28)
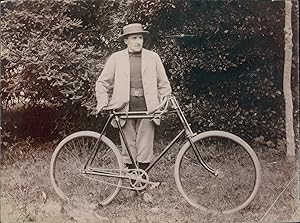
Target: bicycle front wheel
(67,168)
(237,167)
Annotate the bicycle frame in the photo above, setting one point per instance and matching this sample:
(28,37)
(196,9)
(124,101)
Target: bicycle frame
(145,115)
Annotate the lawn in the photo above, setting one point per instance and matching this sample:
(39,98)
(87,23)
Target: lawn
(28,196)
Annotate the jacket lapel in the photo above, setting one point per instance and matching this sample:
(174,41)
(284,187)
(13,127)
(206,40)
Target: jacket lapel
(122,78)
(125,61)
(144,61)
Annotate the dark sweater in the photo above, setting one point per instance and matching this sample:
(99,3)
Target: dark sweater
(135,61)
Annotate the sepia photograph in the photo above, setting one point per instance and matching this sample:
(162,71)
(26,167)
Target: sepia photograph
(149,111)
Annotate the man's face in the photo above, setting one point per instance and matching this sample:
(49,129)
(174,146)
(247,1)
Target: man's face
(134,42)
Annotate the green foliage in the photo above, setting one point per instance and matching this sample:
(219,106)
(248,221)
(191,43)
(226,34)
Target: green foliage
(224,59)
(44,63)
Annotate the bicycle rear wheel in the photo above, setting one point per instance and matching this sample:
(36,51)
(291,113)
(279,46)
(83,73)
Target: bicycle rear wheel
(239,173)
(67,163)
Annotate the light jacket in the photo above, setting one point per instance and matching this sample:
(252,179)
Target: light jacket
(115,76)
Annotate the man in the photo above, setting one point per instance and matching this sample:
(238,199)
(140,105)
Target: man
(136,76)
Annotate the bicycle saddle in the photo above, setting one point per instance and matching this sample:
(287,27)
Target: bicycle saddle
(115,106)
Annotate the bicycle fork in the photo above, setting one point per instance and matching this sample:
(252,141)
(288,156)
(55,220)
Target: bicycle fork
(217,173)
(190,135)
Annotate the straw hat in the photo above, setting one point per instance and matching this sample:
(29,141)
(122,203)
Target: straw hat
(133,28)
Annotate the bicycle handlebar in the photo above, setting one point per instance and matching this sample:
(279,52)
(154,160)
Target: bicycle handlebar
(120,105)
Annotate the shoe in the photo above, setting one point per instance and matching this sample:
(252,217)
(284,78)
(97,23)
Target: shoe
(143,166)
(130,165)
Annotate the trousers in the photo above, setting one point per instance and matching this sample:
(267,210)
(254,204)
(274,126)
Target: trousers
(139,135)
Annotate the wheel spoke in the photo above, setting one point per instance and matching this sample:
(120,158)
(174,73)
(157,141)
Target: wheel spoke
(65,162)
(68,152)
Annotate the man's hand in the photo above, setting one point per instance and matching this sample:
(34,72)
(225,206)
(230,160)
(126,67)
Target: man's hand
(98,109)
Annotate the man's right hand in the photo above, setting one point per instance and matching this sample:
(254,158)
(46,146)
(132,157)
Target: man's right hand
(98,109)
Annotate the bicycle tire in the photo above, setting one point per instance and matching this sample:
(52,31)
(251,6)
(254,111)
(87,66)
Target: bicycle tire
(69,158)
(234,189)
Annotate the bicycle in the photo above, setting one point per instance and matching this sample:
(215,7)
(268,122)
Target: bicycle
(215,171)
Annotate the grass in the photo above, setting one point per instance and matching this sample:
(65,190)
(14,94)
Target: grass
(28,196)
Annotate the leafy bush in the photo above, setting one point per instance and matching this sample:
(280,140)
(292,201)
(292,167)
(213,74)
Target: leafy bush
(224,59)
(44,63)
